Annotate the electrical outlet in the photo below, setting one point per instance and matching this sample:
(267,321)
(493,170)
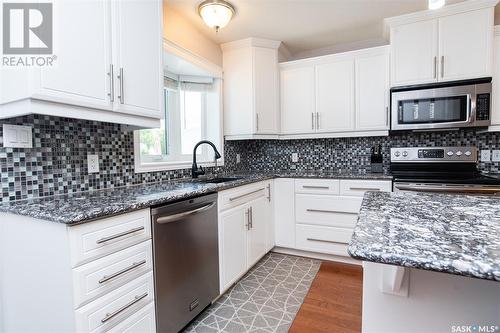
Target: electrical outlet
(238,158)
(496,156)
(93,163)
(485,155)
(295,157)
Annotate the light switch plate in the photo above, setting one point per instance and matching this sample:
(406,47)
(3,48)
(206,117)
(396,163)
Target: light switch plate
(15,136)
(295,157)
(485,155)
(496,156)
(93,163)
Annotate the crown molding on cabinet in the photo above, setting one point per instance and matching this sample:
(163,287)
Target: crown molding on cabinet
(249,42)
(432,14)
(210,67)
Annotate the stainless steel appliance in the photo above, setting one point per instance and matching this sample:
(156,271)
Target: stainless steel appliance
(186,260)
(441,105)
(440,169)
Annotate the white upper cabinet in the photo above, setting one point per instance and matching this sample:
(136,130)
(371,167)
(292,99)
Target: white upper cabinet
(414,53)
(83,56)
(297,100)
(495,117)
(454,43)
(251,88)
(138,56)
(335,96)
(474,30)
(338,95)
(372,91)
(107,67)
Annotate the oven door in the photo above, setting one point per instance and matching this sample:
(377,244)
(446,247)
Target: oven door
(446,107)
(447,188)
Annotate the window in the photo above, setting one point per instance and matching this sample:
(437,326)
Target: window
(192,113)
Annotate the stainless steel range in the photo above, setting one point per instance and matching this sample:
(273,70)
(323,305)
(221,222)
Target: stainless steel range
(440,169)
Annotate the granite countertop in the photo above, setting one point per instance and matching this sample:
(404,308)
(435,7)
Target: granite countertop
(72,209)
(456,234)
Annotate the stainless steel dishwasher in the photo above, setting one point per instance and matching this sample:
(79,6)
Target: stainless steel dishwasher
(186,260)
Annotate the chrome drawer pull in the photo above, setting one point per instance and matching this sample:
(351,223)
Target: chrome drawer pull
(324,241)
(123,308)
(246,194)
(363,189)
(106,278)
(328,211)
(121,234)
(317,187)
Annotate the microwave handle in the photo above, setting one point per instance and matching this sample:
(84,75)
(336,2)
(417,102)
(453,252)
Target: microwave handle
(471,111)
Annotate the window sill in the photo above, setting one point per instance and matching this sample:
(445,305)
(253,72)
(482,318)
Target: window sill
(169,166)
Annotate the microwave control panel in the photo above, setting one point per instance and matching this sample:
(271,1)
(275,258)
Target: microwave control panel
(483,107)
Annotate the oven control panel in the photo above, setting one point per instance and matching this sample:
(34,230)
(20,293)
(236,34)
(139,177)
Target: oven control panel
(434,154)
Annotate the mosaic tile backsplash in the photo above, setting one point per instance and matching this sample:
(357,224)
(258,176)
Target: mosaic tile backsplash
(57,163)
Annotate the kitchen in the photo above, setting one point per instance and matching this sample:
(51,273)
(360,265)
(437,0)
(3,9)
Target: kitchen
(250,166)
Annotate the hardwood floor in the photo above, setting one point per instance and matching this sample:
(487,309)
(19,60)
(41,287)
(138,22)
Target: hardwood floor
(333,303)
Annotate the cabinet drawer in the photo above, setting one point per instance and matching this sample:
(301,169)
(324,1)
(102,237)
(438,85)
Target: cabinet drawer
(317,186)
(143,321)
(359,187)
(114,308)
(322,239)
(327,210)
(243,194)
(103,275)
(93,240)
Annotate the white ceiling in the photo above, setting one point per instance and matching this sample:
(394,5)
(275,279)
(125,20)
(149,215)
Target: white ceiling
(304,25)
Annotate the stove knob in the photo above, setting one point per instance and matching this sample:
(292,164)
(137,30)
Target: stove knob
(468,153)
(459,153)
(450,153)
(397,153)
(405,153)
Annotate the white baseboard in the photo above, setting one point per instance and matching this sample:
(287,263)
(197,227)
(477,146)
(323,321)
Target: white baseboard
(315,255)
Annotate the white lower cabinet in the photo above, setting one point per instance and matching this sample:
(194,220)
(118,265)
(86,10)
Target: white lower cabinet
(244,230)
(319,215)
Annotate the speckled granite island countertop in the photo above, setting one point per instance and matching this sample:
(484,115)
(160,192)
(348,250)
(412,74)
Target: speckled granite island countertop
(83,207)
(456,234)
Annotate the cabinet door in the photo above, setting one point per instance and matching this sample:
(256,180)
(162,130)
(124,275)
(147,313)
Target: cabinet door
(232,245)
(297,100)
(284,212)
(83,49)
(414,53)
(265,86)
(335,96)
(465,45)
(372,92)
(257,235)
(137,43)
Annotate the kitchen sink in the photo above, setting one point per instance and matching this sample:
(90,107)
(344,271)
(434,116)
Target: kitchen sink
(220,180)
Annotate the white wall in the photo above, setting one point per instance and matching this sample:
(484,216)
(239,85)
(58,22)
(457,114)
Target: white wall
(179,31)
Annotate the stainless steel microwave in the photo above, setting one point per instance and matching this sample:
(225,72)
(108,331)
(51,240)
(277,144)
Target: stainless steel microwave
(441,105)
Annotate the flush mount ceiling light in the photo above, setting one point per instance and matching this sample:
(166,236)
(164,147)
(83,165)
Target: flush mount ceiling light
(435,4)
(216,13)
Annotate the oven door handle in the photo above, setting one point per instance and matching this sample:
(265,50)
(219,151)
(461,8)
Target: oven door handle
(484,190)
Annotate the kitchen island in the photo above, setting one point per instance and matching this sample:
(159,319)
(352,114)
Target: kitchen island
(432,262)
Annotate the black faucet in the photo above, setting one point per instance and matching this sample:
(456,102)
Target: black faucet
(194,170)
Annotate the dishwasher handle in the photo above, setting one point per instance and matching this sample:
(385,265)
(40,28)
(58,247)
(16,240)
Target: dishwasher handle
(178,216)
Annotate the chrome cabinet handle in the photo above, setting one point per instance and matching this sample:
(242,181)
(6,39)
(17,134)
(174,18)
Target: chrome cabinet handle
(312,120)
(123,308)
(257,121)
(121,234)
(442,66)
(316,187)
(121,78)
(386,116)
(269,192)
(363,189)
(317,121)
(435,67)
(251,217)
(175,217)
(327,211)
(111,75)
(247,213)
(106,278)
(324,241)
(246,194)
